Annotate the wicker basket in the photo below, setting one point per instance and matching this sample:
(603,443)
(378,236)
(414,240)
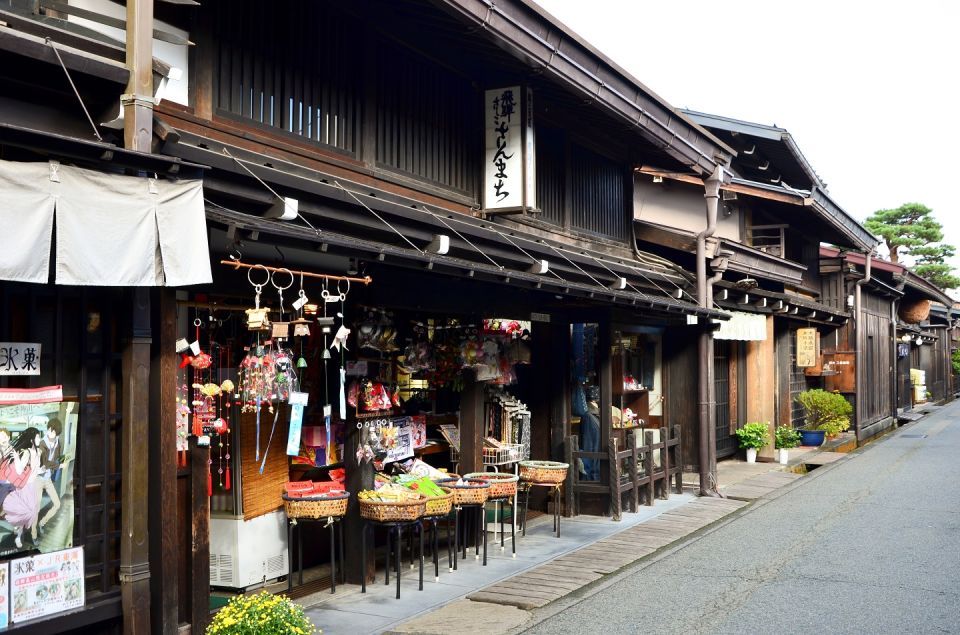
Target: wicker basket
(471,492)
(395,511)
(439,505)
(316,506)
(502,485)
(543,471)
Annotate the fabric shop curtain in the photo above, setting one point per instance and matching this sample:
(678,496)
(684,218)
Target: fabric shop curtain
(111,230)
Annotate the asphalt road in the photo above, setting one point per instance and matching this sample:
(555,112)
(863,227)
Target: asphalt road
(868,545)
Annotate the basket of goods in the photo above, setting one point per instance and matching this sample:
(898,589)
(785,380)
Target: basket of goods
(543,471)
(439,499)
(391,503)
(502,485)
(467,491)
(304,499)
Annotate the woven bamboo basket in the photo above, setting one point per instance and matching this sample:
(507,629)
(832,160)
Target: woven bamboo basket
(394,511)
(501,485)
(439,505)
(543,471)
(316,506)
(471,492)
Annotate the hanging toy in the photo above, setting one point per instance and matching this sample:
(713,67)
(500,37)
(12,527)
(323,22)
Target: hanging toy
(257,319)
(183,422)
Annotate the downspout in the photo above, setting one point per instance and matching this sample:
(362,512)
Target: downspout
(895,379)
(705,388)
(858,353)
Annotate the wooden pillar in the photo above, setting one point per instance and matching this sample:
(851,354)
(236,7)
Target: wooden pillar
(762,384)
(471,425)
(138,100)
(199,537)
(164,547)
(202,59)
(134,546)
(359,477)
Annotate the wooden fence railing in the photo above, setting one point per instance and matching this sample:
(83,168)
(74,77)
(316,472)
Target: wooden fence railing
(633,470)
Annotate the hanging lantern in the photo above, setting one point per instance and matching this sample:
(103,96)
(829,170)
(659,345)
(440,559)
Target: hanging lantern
(301,327)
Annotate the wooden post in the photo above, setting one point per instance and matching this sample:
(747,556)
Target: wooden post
(648,464)
(471,426)
(665,463)
(572,472)
(634,473)
(202,58)
(164,543)
(138,100)
(678,461)
(359,477)
(134,538)
(615,509)
(200,537)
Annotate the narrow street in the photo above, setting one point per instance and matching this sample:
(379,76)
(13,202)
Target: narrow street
(869,545)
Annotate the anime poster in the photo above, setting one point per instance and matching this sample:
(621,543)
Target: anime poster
(46,583)
(38,441)
(4,594)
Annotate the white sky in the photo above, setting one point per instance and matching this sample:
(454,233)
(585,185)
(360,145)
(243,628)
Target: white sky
(869,90)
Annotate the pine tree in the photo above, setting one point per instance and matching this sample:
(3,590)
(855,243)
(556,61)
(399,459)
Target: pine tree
(911,230)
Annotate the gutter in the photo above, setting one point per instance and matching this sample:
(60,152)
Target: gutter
(706,392)
(858,354)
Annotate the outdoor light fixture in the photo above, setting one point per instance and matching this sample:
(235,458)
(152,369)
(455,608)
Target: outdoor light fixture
(905,338)
(657,178)
(918,341)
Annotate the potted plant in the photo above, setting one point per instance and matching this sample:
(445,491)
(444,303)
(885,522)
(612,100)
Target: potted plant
(825,413)
(784,439)
(260,614)
(753,436)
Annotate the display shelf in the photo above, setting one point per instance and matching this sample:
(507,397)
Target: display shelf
(509,453)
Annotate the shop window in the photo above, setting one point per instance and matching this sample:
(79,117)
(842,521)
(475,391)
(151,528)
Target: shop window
(75,475)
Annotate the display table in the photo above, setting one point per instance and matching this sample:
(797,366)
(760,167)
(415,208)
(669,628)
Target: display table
(523,492)
(394,528)
(335,528)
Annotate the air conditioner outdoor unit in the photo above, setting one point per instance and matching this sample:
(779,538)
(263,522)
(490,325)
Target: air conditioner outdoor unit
(248,553)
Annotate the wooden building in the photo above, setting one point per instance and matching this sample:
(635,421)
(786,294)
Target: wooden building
(473,161)
(765,260)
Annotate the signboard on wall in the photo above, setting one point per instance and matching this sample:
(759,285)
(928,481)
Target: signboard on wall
(509,163)
(19,358)
(46,583)
(807,341)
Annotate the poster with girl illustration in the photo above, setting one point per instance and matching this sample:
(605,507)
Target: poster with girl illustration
(38,441)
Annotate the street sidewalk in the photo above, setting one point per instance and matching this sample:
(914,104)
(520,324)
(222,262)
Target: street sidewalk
(498,598)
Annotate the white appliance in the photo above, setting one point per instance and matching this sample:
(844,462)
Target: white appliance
(248,553)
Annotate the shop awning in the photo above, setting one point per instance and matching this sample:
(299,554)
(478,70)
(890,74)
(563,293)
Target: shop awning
(111,230)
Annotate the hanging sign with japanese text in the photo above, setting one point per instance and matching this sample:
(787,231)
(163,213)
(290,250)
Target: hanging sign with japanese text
(19,358)
(509,168)
(806,347)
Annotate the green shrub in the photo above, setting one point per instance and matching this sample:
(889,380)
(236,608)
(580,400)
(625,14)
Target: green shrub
(827,411)
(753,435)
(786,437)
(955,361)
(261,614)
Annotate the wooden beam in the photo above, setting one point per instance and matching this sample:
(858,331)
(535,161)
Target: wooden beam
(135,461)
(739,188)
(200,538)
(164,542)
(761,303)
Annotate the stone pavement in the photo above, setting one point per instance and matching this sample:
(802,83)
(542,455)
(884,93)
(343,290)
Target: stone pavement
(498,598)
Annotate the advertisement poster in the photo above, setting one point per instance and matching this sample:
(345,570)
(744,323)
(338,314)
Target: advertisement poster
(46,583)
(4,594)
(38,440)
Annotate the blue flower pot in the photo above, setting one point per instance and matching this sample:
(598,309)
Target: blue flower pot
(811,437)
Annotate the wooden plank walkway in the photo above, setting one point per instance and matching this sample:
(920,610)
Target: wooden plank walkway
(760,485)
(554,579)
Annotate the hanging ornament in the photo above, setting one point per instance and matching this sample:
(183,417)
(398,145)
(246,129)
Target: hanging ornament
(301,327)
(257,319)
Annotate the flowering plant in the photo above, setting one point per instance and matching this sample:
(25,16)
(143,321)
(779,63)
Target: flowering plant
(261,614)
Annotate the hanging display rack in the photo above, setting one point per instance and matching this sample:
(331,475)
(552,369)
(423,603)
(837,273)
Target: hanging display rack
(237,264)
